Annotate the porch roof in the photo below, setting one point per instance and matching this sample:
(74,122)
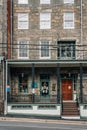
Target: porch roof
(70,63)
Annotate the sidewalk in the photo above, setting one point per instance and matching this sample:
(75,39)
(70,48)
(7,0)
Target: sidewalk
(59,121)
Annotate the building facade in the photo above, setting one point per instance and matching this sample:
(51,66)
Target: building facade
(46,64)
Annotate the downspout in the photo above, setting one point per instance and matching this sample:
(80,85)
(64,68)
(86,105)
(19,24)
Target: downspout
(81,27)
(3,77)
(11,6)
(5,92)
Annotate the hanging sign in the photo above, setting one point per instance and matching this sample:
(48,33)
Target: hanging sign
(8,88)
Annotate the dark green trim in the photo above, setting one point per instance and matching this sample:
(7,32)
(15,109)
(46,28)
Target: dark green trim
(82,117)
(47,107)
(73,61)
(21,106)
(33,104)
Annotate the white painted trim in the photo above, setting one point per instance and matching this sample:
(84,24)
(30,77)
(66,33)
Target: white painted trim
(49,51)
(36,111)
(71,117)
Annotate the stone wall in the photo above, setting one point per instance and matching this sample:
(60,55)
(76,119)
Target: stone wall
(34,34)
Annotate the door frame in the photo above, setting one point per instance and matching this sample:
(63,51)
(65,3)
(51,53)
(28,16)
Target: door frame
(72,87)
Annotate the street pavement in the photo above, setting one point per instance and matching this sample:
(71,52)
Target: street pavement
(27,124)
(55,121)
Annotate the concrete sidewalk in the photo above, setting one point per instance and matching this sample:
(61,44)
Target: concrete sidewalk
(59,121)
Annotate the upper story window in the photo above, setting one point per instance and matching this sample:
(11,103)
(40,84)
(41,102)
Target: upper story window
(45,20)
(0,2)
(23,21)
(44,49)
(23,49)
(22,1)
(66,50)
(69,20)
(68,1)
(44,1)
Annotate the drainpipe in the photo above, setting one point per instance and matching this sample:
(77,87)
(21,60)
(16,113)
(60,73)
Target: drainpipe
(3,77)
(81,26)
(11,6)
(5,90)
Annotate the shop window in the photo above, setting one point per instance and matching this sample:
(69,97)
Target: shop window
(23,83)
(66,50)
(44,88)
(44,78)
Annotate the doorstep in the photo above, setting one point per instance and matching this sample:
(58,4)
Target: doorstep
(71,117)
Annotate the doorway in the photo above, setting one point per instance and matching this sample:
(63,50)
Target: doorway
(67,89)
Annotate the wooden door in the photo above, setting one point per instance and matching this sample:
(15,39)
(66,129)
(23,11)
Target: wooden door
(67,89)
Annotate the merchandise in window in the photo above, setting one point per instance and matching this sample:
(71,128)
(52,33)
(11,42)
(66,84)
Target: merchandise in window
(23,83)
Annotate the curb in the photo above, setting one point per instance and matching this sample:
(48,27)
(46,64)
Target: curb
(43,121)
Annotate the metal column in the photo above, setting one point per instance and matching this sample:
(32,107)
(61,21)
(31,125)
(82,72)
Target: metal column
(81,84)
(58,83)
(33,91)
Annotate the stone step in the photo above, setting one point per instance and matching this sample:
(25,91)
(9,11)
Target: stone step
(70,108)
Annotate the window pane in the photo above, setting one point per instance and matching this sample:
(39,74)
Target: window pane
(44,1)
(23,21)
(23,49)
(68,1)
(44,48)
(22,1)
(68,20)
(45,21)
(23,83)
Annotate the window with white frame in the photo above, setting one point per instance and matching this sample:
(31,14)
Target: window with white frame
(0,2)
(45,20)
(22,1)
(68,1)
(23,20)
(23,49)
(44,1)
(44,49)
(69,20)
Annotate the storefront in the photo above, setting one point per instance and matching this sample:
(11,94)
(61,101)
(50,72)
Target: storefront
(37,87)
